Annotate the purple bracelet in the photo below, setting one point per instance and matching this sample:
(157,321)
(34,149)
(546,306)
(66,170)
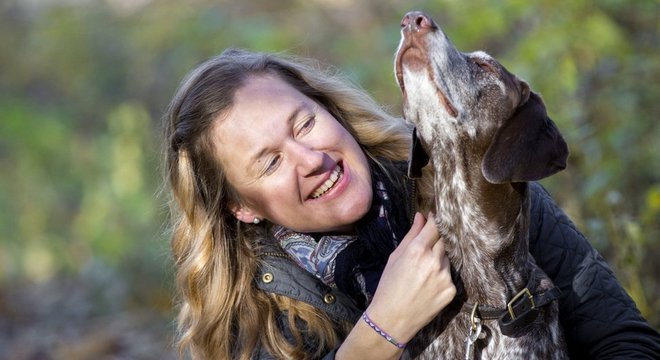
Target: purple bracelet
(381,332)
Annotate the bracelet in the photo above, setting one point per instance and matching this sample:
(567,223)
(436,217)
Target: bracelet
(382,332)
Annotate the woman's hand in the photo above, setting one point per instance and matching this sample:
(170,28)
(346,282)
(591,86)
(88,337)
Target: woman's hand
(414,287)
(416,283)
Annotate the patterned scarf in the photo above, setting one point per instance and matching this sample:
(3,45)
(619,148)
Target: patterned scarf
(354,263)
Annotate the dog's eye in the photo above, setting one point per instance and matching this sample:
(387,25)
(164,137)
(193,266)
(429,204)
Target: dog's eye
(484,65)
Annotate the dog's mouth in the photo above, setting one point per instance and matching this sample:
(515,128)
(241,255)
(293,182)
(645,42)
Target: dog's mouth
(413,54)
(414,57)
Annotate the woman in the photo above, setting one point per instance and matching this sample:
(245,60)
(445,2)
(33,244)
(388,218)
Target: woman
(292,225)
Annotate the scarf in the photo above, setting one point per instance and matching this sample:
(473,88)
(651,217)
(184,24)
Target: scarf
(354,263)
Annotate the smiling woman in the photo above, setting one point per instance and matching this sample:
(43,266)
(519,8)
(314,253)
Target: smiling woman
(274,166)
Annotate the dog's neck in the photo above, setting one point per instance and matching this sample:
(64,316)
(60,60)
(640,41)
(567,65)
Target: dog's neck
(485,227)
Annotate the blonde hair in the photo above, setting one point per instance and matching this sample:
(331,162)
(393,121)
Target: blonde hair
(222,313)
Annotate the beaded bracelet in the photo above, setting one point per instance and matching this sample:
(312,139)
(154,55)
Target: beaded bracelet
(382,332)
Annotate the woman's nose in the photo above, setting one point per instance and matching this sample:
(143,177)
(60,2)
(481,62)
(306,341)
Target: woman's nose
(308,160)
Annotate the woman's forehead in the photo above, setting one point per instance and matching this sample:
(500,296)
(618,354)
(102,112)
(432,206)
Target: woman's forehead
(265,85)
(263,100)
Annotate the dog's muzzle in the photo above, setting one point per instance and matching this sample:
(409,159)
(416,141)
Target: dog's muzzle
(414,26)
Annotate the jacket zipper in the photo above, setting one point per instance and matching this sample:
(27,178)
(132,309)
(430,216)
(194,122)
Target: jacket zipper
(277,254)
(413,206)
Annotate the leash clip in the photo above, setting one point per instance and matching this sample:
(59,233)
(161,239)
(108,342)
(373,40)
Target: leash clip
(474,321)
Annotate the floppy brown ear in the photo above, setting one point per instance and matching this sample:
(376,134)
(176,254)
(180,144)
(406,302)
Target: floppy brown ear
(527,147)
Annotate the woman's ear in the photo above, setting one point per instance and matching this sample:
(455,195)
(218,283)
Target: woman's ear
(244,214)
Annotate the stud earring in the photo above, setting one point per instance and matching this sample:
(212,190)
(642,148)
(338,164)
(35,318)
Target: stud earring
(256,221)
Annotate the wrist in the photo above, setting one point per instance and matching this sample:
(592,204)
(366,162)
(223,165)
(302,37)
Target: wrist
(397,326)
(364,343)
(382,332)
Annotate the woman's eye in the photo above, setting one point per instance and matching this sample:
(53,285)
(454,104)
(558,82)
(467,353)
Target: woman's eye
(307,125)
(272,165)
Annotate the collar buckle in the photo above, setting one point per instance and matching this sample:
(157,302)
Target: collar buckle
(522,295)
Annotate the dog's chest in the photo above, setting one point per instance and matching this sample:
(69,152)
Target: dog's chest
(451,344)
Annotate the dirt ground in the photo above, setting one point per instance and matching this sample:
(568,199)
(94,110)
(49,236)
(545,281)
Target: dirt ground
(92,316)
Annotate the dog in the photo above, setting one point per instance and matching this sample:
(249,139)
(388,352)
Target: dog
(487,135)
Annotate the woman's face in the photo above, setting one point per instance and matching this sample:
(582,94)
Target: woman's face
(290,160)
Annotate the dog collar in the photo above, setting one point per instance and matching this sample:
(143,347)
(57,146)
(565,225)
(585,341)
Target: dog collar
(520,312)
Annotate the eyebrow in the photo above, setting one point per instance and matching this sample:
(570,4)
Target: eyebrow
(294,114)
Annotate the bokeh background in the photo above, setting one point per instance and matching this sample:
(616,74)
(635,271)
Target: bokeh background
(85,271)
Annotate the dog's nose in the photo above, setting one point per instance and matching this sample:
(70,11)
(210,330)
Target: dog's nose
(417,20)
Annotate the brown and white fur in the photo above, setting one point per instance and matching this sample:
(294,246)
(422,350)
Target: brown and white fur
(486,134)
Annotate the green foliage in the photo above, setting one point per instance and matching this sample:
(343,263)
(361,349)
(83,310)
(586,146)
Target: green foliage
(84,87)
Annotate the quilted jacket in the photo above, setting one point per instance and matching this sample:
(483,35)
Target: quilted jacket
(599,319)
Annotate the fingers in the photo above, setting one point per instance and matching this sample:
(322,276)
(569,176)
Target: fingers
(429,233)
(418,224)
(423,232)
(439,247)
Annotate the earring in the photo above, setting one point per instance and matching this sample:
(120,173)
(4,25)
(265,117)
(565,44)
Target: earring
(256,221)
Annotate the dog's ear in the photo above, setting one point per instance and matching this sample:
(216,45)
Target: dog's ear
(527,147)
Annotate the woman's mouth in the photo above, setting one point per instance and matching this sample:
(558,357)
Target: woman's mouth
(337,173)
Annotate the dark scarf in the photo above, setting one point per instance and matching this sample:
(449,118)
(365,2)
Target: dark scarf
(354,263)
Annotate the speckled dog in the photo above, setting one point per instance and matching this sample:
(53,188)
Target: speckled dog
(487,135)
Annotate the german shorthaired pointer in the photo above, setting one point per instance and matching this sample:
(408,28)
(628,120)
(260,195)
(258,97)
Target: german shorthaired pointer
(487,135)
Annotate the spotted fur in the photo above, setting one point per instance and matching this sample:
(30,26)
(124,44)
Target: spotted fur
(459,102)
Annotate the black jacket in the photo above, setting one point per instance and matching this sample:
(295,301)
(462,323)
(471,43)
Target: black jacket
(599,319)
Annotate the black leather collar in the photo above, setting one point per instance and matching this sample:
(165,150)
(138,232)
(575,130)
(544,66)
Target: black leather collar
(521,311)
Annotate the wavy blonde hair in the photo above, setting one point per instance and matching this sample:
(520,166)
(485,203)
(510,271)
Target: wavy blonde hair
(222,313)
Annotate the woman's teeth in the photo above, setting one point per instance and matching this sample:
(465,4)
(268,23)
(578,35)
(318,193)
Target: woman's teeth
(328,184)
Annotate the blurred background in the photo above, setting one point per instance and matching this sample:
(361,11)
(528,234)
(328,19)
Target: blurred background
(85,271)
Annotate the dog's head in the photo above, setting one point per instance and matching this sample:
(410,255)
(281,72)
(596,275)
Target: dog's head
(472,100)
